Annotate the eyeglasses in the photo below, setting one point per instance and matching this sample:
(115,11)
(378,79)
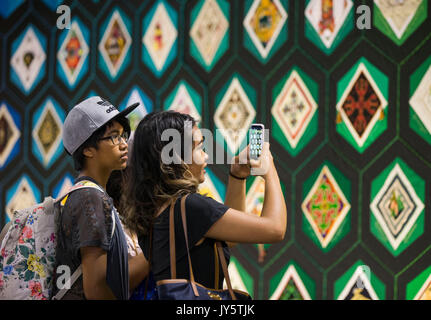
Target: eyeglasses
(117,138)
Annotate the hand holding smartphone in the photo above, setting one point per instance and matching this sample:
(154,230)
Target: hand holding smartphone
(259,154)
(256,140)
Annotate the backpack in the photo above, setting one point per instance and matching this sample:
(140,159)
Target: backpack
(27,251)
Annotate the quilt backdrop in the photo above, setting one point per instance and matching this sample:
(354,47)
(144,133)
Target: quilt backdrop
(348,112)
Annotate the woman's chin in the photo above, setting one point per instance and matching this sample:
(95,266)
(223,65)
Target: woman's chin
(202,178)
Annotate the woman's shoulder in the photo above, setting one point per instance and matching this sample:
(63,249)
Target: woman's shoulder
(196,196)
(199,199)
(195,202)
(204,202)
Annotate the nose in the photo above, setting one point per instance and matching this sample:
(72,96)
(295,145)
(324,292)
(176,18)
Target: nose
(123,143)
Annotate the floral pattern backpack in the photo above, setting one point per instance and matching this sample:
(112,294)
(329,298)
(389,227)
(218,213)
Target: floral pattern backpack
(27,252)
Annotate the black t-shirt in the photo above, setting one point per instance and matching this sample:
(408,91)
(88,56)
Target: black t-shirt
(86,221)
(201,212)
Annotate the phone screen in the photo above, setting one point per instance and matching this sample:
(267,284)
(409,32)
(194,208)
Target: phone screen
(256,140)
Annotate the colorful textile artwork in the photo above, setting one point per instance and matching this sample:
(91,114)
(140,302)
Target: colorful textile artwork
(239,278)
(63,186)
(139,113)
(396,206)
(419,287)
(264,22)
(28,60)
(136,94)
(208,188)
(398,14)
(421,100)
(73,53)
(291,292)
(115,43)
(359,287)
(425,292)
(183,103)
(23,197)
(294,108)
(48,132)
(234,113)
(325,207)
(358,294)
(327,17)
(160,36)
(9,134)
(361,105)
(291,287)
(8,7)
(255,196)
(254,204)
(208,30)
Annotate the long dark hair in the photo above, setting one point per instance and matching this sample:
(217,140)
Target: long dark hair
(149,182)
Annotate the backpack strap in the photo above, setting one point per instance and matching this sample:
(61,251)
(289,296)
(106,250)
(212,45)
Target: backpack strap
(4,231)
(60,294)
(79,185)
(62,199)
(82,185)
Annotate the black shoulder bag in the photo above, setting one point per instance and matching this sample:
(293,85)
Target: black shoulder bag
(189,289)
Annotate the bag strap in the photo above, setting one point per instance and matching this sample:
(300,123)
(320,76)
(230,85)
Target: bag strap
(60,294)
(225,270)
(216,267)
(172,253)
(149,260)
(183,217)
(79,185)
(172,246)
(4,232)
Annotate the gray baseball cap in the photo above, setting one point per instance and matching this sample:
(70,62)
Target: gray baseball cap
(86,117)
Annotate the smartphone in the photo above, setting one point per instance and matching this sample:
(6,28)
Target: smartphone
(256,140)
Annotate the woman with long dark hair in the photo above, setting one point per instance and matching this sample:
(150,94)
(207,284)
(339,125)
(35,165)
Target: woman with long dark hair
(152,184)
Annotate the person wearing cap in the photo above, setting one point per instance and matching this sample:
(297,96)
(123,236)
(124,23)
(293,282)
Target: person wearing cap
(90,236)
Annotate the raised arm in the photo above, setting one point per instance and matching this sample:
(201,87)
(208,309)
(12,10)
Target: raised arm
(270,227)
(235,194)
